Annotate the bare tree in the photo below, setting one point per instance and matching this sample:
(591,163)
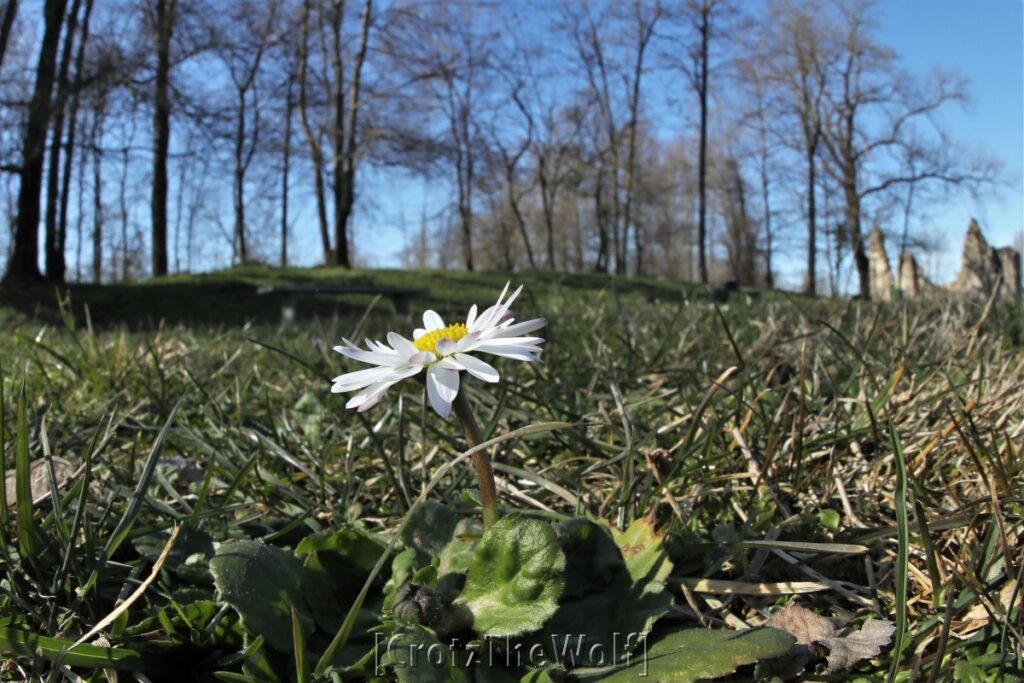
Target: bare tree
(54,241)
(248,36)
(740,234)
(6,24)
(165,17)
(701,23)
(69,145)
(874,117)
(23,265)
(339,121)
(510,161)
(798,58)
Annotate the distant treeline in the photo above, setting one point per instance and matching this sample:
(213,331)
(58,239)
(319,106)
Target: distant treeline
(693,139)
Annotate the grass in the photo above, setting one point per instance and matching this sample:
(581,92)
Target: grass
(742,427)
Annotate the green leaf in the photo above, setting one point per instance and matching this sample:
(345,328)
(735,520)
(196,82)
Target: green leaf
(430,528)
(336,563)
(359,547)
(458,554)
(643,550)
(829,519)
(262,583)
(612,600)
(592,560)
(17,641)
(417,656)
(515,577)
(309,414)
(190,556)
(690,655)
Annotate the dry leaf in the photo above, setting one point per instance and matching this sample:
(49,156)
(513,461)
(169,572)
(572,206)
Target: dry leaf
(660,462)
(845,651)
(820,636)
(39,479)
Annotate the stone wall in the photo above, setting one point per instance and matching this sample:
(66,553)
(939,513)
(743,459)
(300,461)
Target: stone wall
(983,270)
(912,281)
(878,261)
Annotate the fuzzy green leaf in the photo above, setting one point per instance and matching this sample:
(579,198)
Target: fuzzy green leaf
(608,596)
(309,414)
(262,583)
(430,528)
(695,654)
(515,577)
(458,554)
(417,656)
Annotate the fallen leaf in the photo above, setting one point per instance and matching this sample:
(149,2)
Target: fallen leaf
(845,651)
(39,479)
(820,636)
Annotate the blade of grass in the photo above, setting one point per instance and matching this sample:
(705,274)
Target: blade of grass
(22,481)
(4,520)
(299,645)
(20,642)
(902,553)
(124,525)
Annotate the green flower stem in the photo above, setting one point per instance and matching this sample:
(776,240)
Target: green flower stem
(481,460)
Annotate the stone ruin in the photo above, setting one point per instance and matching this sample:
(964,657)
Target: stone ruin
(984,271)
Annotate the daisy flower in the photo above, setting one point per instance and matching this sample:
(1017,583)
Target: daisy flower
(443,351)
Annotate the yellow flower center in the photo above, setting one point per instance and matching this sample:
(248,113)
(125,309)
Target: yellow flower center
(428,342)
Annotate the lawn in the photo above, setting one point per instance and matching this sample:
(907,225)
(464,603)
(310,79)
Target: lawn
(221,516)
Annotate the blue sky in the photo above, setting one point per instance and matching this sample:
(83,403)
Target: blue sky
(984,40)
(981,39)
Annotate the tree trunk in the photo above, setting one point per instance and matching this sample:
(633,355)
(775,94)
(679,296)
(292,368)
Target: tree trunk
(513,203)
(69,150)
(95,137)
(860,257)
(6,24)
(810,284)
(55,264)
(601,264)
(161,133)
(123,204)
(315,150)
(241,252)
(769,276)
(342,188)
(288,107)
(702,163)
(23,266)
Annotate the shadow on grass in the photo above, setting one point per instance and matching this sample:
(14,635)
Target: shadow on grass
(229,297)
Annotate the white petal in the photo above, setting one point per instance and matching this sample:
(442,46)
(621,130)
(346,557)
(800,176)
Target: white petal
(361,378)
(418,332)
(432,321)
(368,397)
(476,367)
(442,387)
(515,352)
(484,323)
(403,346)
(523,327)
(371,357)
(447,381)
(471,318)
(351,381)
